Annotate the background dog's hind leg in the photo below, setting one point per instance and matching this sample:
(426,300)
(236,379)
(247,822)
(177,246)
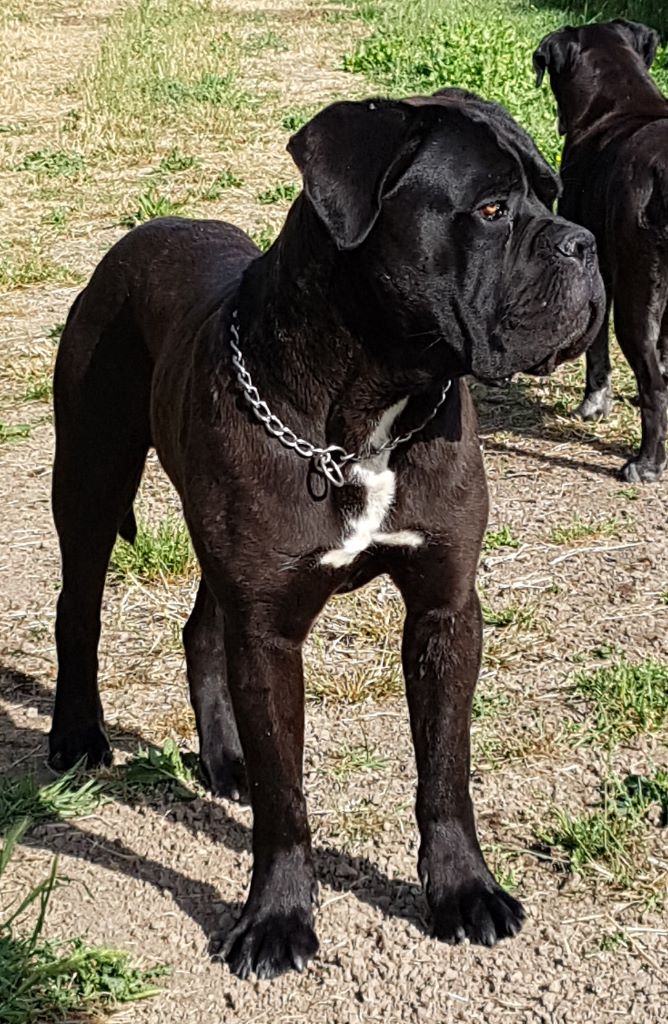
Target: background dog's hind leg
(101,395)
(219,746)
(597,401)
(639,316)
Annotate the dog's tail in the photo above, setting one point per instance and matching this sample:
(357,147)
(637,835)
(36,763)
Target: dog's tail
(128,528)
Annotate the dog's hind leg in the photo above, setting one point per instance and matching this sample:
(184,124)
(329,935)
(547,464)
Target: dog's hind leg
(597,401)
(640,310)
(219,746)
(101,396)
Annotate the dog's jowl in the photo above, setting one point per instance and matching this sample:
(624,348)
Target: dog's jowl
(615,175)
(309,407)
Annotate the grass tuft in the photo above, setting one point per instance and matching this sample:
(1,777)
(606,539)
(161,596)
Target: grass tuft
(13,432)
(51,163)
(23,799)
(151,204)
(226,179)
(175,161)
(501,538)
(581,529)
(283,193)
(626,699)
(162,553)
(353,760)
(45,982)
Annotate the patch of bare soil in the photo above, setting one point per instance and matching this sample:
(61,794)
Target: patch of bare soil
(158,879)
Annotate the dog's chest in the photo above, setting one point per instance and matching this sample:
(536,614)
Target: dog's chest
(363,527)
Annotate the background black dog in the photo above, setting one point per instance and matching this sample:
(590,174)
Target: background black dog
(615,179)
(422,248)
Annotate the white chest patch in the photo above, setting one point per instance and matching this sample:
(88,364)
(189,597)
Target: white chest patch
(379,483)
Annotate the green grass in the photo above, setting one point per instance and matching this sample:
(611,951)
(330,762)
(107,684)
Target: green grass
(626,699)
(580,529)
(151,204)
(611,840)
(13,432)
(38,387)
(55,332)
(293,120)
(22,269)
(353,760)
(511,615)
(501,538)
(264,236)
(226,179)
(283,193)
(46,982)
(24,799)
(163,552)
(52,163)
(175,161)
(482,45)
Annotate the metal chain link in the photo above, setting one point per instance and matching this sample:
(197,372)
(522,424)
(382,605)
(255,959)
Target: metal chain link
(329,462)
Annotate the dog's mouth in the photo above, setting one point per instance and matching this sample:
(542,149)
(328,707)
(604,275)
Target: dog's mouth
(571,351)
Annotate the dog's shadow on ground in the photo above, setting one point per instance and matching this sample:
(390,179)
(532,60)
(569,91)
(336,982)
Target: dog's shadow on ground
(515,408)
(198,899)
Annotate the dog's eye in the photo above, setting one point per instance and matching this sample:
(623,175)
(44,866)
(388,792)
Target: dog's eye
(492,211)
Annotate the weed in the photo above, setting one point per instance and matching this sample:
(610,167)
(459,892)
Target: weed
(488,703)
(57,217)
(580,529)
(38,387)
(226,179)
(55,332)
(163,768)
(293,120)
(512,615)
(352,760)
(42,981)
(611,942)
(501,538)
(162,553)
(149,206)
(263,236)
(13,432)
(175,161)
(51,163)
(283,193)
(627,699)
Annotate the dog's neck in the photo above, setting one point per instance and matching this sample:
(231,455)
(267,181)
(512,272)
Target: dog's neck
(584,108)
(303,357)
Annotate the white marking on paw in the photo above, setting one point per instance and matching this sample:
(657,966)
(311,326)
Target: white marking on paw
(379,483)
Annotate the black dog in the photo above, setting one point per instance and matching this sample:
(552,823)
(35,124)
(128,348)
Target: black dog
(615,177)
(422,249)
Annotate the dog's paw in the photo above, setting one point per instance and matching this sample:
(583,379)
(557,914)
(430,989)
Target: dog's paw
(480,911)
(641,471)
(269,944)
(90,746)
(226,777)
(595,406)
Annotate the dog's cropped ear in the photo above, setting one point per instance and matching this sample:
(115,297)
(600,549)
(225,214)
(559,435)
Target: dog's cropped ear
(556,52)
(349,155)
(644,40)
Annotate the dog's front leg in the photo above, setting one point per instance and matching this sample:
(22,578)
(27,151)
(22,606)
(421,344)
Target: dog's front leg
(275,932)
(441,656)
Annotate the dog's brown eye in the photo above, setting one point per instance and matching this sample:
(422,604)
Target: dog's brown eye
(492,211)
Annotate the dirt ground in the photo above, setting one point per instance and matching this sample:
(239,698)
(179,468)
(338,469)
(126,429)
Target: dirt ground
(158,879)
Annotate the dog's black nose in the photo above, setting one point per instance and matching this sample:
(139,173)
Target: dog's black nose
(578,244)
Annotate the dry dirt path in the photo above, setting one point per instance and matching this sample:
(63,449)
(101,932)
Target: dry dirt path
(158,879)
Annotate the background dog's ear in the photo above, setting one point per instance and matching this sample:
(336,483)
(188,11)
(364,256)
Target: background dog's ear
(644,40)
(556,52)
(349,154)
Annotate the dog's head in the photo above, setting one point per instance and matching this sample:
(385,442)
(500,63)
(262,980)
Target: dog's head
(589,66)
(438,214)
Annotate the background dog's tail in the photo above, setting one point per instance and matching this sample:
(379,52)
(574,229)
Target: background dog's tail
(128,528)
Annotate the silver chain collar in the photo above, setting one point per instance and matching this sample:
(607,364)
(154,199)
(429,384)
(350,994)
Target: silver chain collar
(328,462)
